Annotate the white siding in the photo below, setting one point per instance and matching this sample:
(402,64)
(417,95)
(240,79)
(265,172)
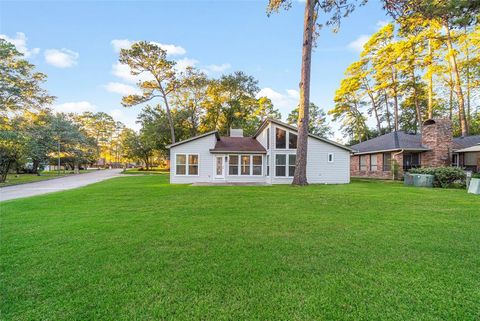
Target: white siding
(319,170)
(201,147)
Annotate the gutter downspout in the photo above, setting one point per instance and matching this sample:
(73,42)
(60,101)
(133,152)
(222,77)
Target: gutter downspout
(393,157)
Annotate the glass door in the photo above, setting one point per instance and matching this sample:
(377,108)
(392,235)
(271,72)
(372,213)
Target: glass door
(219,167)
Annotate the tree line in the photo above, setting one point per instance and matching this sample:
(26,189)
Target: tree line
(410,71)
(32,135)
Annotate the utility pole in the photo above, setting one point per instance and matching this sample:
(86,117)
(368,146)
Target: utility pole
(58,163)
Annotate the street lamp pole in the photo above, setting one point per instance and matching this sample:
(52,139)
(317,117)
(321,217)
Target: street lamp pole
(58,163)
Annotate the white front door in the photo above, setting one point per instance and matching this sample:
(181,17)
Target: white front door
(219,167)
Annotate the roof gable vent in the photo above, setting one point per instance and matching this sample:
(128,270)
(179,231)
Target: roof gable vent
(236,132)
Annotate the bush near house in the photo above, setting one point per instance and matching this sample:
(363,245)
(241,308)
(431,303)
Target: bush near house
(444,176)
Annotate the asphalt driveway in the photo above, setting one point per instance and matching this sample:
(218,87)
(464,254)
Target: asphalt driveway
(57,184)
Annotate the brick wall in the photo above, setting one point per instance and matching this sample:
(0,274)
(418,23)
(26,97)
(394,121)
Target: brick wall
(379,173)
(437,135)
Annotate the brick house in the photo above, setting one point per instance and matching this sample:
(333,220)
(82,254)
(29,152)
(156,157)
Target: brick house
(390,155)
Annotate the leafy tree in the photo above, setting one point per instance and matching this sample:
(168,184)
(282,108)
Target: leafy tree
(150,59)
(231,101)
(20,85)
(317,123)
(450,13)
(137,147)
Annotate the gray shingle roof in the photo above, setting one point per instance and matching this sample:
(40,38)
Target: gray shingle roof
(464,142)
(401,140)
(390,141)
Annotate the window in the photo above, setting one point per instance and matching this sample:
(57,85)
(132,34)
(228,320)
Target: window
(387,162)
(373,162)
(181,164)
(455,160)
(268,138)
(186,164)
(268,165)
(280,165)
(363,162)
(285,165)
(192,164)
(411,161)
(292,141)
(256,165)
(245,165)
(291,164)
(280,138)
(330,157)
(233,165)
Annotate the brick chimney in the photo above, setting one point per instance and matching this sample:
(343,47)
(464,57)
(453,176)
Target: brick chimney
(437,135)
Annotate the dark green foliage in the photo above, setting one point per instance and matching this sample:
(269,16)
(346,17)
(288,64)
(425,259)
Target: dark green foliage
(444,176)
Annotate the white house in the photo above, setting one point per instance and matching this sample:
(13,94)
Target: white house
(267,157)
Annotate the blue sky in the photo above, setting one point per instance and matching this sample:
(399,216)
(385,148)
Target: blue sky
(76,45)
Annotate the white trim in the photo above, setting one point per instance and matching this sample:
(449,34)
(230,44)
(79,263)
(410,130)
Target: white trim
(187,164)
(215,176)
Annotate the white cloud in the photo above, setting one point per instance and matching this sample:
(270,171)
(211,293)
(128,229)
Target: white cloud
(357,44)
(130,122)
(62,58)
(382,23)
(122,89)
(183,63)
(122,71)
(172,50)
(20,42)
(74,107)
(284,102)
(218,68)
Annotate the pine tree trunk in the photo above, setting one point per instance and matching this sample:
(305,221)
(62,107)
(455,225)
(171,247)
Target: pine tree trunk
(430,83)
(415,100)
(387,110)
(395,98)
(300,177)
(458,86)
(169,114)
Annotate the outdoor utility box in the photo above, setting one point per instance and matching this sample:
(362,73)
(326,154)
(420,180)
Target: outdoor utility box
(474,187)
(423,180)
(408,179)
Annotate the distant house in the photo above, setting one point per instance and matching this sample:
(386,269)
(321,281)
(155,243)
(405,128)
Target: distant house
(267,157)
(434,147)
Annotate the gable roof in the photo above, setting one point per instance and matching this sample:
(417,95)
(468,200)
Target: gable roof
(391,141)
(278,122)
(238,144)
(464,142)
(471,149)
(194,138)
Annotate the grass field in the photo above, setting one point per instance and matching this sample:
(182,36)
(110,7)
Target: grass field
(136,248)
(15,179)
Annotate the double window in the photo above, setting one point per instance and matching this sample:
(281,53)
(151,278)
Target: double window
(186,164)
(285,165)
(282,137)
(245,165)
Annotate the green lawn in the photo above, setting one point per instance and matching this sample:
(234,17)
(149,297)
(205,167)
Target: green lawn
(136,248)
(15,179)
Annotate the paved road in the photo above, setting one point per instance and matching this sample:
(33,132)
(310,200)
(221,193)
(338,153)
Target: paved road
(57,184)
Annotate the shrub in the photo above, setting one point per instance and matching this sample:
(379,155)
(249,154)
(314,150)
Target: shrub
(476,175)
(444,176)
